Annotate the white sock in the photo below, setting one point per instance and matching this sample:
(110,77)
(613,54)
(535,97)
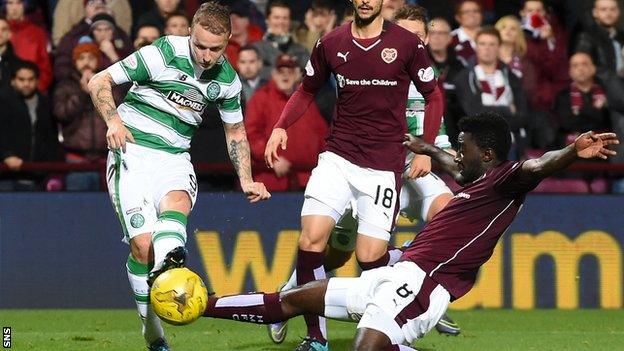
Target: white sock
(137,275)
(169,233)
(291,283)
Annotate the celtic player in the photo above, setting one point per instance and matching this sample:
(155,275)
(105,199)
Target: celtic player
(151,181)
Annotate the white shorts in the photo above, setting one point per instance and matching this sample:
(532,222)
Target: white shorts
(415,200)
(139,178)
(400,301)
(336,183)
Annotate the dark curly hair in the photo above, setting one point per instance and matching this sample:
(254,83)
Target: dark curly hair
(213,17)
(489,131)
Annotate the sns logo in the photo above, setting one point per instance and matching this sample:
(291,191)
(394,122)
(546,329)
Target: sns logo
(462,195)
(389,55)
(426,74)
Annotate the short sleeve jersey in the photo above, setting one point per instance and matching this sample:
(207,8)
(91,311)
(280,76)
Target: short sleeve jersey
(372,83)
(462,237)
(163,108)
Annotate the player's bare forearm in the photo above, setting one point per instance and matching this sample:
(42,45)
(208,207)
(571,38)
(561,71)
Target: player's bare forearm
(101,90)
(443,158)
(549,163)
(238,149)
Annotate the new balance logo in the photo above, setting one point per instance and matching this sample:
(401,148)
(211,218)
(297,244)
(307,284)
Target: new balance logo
(343,56)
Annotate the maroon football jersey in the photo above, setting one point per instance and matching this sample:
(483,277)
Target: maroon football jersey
(460,238)
(372,83)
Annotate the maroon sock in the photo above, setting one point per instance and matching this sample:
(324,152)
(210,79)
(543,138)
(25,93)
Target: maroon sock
(251,308)
(309,268)
(380,262)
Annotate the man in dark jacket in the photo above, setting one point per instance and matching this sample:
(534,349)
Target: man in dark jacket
(28,132)
(8,59)
(604,41)
(84,132)
(489,86)
(278,39)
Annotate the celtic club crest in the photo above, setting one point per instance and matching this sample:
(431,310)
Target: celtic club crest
(213,91)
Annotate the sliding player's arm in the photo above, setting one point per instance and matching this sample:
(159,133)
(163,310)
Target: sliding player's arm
(316,74)
(587,145)
(444,159)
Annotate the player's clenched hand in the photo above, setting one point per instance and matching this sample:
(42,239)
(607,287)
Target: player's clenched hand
(278,139)
(255,191)
(415,144)
(591,145)
(117,134)
(419,167)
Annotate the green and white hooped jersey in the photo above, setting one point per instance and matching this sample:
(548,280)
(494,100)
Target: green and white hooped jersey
(163,108)
(415,113)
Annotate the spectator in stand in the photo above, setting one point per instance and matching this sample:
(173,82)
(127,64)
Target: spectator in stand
(547,47)
(158,14)
(69,13)
(513,53)
(389,7)
(278,39)
(63,65)
(604,41)
(8,59)
(249,67)
(28,132)
(319,19)
(30,42)
(513,46)
(468,15)
(84,132)
(243,33)
(447,66)
(102,33)
(146,34)
(177,24)
(305,137)
(490,86)
(583,105)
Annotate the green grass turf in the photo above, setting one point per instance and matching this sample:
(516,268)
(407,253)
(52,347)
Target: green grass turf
(499,330)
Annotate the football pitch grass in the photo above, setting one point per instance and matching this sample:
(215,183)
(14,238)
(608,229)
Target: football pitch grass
(499,330)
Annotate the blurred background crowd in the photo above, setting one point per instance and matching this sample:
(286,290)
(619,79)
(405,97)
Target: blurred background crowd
(553,69)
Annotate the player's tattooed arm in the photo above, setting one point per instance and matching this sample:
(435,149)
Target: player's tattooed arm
(238,149)
(445,160)
(101,89)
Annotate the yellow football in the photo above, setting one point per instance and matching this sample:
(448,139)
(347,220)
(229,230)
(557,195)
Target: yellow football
(179,296)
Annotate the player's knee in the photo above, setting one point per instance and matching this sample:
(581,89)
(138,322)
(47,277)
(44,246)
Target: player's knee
(177,200)
(140,247)
(312,241)
(368,259)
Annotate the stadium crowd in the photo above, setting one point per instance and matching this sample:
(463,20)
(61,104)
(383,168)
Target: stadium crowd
(553,69)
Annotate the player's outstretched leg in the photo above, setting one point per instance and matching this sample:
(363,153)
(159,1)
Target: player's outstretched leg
(152,329)
(266,308)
